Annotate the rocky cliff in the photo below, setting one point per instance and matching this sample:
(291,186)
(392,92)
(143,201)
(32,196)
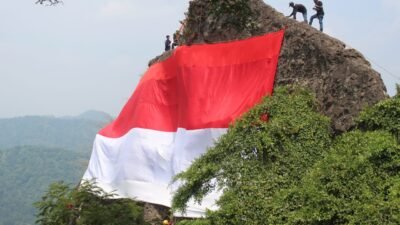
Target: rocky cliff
(341,77)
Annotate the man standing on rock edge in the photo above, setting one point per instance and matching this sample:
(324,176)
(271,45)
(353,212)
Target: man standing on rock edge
(320,14)
(298,8)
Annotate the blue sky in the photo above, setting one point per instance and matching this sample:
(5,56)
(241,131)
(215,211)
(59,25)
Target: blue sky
(89,54)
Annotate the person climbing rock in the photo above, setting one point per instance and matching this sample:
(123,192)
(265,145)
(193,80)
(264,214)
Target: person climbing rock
(298,8)
(167,44)
(320,14)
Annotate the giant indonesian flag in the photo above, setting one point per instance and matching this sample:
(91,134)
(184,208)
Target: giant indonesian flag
(180,108)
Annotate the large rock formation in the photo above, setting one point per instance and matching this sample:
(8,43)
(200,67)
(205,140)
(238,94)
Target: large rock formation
(341,77)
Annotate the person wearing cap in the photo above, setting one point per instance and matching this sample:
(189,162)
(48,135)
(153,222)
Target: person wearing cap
(320,14)
(167,44)
(298,8)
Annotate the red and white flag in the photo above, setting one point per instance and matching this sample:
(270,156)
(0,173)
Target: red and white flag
(180,108)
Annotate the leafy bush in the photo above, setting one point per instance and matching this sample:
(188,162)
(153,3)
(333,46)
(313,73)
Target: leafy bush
(292,171)
(358,182)
(256,158)
(234,15)
(383,116)
(237,12)
(194,222)
(25,174)
(86,205)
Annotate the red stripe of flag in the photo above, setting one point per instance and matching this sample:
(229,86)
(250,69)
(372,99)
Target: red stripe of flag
(201,86)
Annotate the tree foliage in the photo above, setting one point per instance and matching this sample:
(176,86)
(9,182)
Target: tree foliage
(233,15)
(256,158)
(291,170)
(358,182)
(383,116)
(49,2)
(86,205)
(237,13)
(35,151)
(26,172)
(194,222)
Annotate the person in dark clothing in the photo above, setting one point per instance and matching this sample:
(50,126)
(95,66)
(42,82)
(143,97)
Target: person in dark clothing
(320,14)
(298,8)
(167,44)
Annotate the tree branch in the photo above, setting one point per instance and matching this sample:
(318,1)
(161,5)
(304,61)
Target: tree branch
(49,2)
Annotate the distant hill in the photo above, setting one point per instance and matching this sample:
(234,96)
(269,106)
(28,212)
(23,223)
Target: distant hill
(72,133)
(93,115)
(26,172)
(38,150)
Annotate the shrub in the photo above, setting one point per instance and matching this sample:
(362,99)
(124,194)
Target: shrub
(292,171)
(256,158)
(86,205)
(383,116)
(358,182)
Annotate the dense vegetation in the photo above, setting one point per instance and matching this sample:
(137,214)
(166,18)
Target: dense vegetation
(67,205)
(26,172)
(237,12)
(235,16)
(291,170)
(279,164)
(36,151)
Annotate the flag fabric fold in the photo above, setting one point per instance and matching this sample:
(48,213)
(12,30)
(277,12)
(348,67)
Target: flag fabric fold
(180,108)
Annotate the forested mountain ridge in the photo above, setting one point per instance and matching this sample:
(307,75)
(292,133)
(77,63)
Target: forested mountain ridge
(26,172)
(38,150)
(73,133)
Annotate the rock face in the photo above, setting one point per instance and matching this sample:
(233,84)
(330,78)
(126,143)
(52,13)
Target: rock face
(342,79)
(154,214)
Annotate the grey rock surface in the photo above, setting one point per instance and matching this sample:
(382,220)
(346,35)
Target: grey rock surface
(341,78)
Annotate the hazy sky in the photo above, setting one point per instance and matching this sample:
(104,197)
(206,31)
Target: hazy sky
(89,54)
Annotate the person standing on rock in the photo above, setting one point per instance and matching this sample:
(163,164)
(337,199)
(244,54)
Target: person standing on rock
(320,14)
(167,44)
(298,8)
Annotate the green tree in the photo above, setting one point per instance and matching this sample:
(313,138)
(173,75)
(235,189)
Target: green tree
(292,171)
(383,116)
(86,205)
(194,222)
(256,158)
(49,2)
(358,182)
